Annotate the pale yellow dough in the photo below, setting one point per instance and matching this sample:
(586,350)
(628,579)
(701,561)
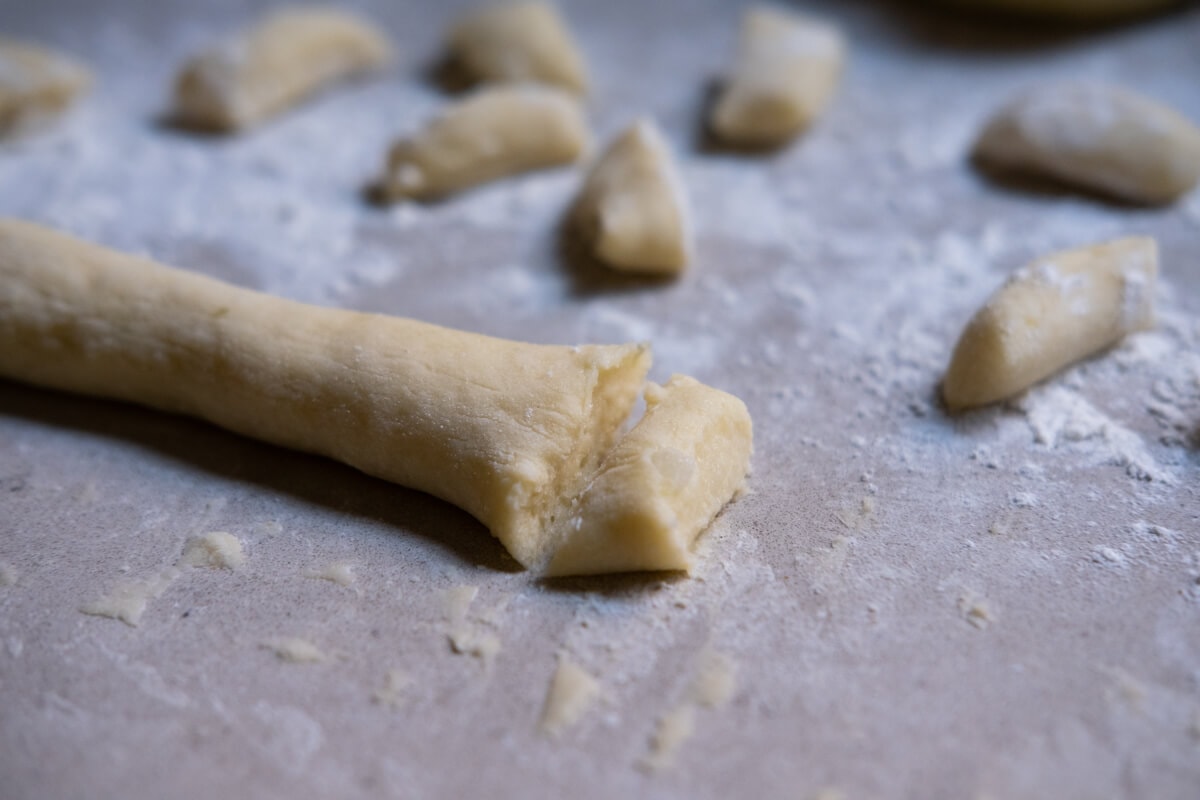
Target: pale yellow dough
(508,431)
(35,84)
(517,42)
(1096,137)
(261,71)
(1051,313)
(632,208)
(785,73)
(571,694)
(661,485)
(495,132)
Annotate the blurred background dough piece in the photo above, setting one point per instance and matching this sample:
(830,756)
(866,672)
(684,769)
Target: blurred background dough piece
(261,71)
(517,42)
(785,72)
(1059,309)
(661,484)
(495,132)
(632,207)
(35,85)
(1096,137)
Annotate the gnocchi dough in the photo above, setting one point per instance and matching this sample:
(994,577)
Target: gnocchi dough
(1096,137)
(495,132)
(261,71)
(517,42)
(661,485)
(632,207)
(1050,314)
(35,84)
(785,73)
(505,430)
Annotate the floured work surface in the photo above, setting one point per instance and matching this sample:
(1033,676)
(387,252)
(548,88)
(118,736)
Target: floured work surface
(1004,604)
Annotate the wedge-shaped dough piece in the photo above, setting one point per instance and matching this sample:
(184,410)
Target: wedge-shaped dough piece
(632,207)
(517,42)
(35,84)
(786,70)
(661,485)
(1096,137)
(1051,313)
(497,131)
(502,429)
(261,71)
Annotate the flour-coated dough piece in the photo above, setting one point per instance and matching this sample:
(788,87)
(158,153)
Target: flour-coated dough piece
(1096,137)
(494,132)
(517,42)
(785,73)
(661,484)
(35,84)
(632,208)
(1059,309)
(504,430)
(261,71)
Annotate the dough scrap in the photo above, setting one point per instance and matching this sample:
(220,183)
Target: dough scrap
(1096,137)
(217,550)
(573,691)
(518,42)
(632,207)
(295,650)
(660,485)
(1055,311)
(494,132)
(35,84)
(785,73)
(674,728)
(510,432)
(715,681)
(340,573)
(263,70)
(127,601)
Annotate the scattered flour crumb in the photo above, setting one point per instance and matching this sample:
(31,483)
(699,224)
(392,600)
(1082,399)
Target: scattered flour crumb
(1144,529)
(482,645)
(392,692)
(715,681)
(572,693)
(1108,555)
(127,601)
(975,610)
(674,728)
(457,601)
(712,686)
(339,573)
(1023,499)
(1125,688)
(8,575)
(295,650)
(217,550)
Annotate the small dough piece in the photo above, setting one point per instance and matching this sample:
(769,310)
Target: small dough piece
(295,650)
(285,57)
(35,84)
(1050,314)
(495,132)
(632,206)
(786,70)
(340,573)
(572,692)
(1096,137)
(661,484)
(217,550)
(518,42)
(127,601)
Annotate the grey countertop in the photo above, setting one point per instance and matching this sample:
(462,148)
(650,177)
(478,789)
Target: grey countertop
(1001,605)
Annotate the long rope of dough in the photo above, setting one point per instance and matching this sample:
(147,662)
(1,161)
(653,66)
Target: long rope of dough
(510,432)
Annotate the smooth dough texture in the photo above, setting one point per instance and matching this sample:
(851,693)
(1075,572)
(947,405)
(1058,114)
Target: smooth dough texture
(661,485)
(785,73)
(515,43)
(261,71)
(1049,314)
(632,208)
(496,131)
(35,84)
(1096,137)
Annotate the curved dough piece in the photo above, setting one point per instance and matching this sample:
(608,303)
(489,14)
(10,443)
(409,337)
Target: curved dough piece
(261,71)
(1080,10)
(1050,314)
(517,42)
(502,429)
(661,484)
(35,83)
(786,70)
(632,206)
(493,133)
(1096,137)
